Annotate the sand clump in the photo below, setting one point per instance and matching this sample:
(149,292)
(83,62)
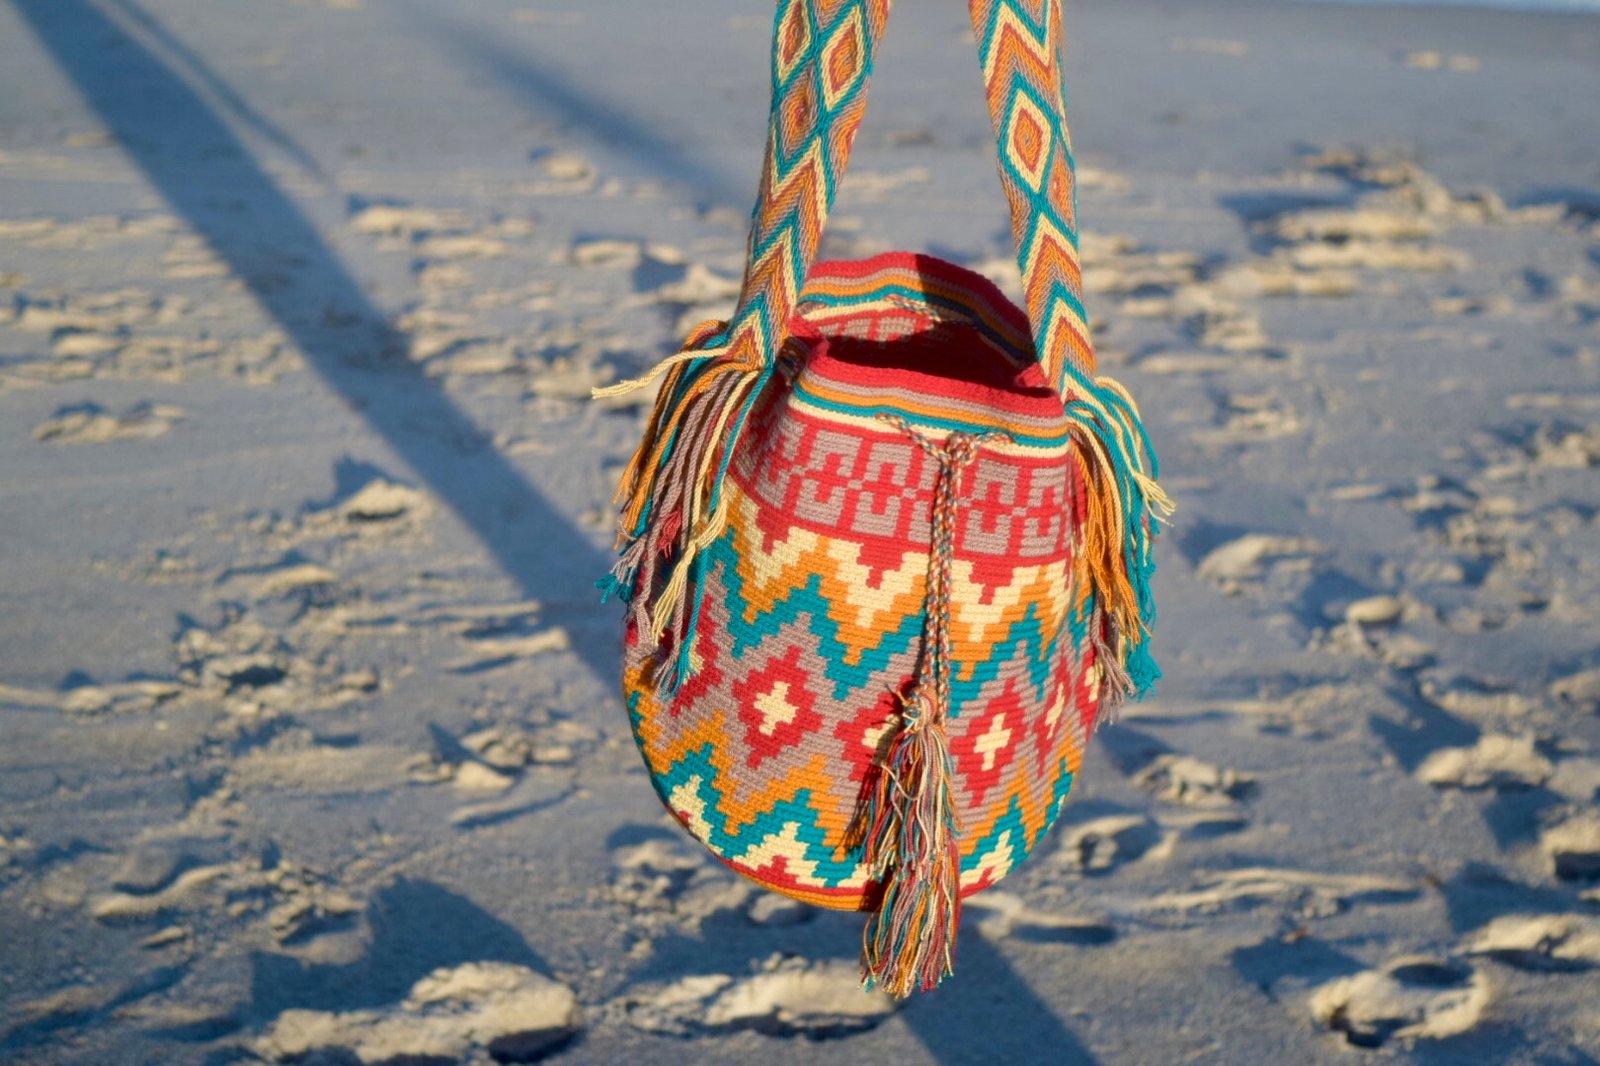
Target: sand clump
(1104,844)
(91,424)
(786,997)
(1573,847)
(1234,565)
(1191,782)
(1541,942)
(1495,762)
(1411,998)
(1580,690)
(507,1012)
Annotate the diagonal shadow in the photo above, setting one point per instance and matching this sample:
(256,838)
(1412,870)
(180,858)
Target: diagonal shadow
(224,93)
(585,112)
(210,178)
(987,1013)
(404,945)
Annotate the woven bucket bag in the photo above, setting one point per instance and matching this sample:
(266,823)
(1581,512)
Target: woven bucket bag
(886,542)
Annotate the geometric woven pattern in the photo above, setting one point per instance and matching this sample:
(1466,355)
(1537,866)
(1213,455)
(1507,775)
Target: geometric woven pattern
(812,600)
(1018,42)
(886,540)
(821,63)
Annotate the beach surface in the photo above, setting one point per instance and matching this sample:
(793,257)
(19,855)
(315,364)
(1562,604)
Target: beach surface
(310,742)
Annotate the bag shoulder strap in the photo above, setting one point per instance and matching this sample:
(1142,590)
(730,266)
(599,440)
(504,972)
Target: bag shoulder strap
(822,58)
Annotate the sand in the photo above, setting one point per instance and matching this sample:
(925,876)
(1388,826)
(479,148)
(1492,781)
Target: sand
(312,746)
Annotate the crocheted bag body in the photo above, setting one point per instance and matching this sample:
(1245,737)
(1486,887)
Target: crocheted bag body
(815,598)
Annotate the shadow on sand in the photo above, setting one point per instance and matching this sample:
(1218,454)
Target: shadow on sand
(211,179)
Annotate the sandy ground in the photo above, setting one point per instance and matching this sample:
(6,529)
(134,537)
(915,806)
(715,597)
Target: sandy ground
(311,747)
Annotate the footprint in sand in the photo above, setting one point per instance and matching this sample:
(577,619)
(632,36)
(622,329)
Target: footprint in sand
(509,748)
(1476,699)
(488,652)
(1241,562)
(562,173)
(1496,762)
(431,234)
(121,907)
(1191,782)
(1580,691)
(788,997)
(1316,894)
(1378,255)
(1541,941)
(90,423)
(155,863)
(1101,845)
(496,1009)
(1243,418)
(312,910)
(1117,265)
(536,788)
(122,697)
(1004,914)
(653,875)
(1411,998)
(1566,448)
(1573,847)
(1278,277)
(238,661)
(1392,227)
(380,502)
(698,288)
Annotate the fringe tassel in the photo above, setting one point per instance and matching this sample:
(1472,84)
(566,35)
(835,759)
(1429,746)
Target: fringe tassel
(911,847)
(1126,507)
(671,490)
(912,823)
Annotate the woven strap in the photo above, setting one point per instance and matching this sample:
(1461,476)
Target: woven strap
(821,63)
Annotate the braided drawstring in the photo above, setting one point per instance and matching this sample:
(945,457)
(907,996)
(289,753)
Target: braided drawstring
(912,821)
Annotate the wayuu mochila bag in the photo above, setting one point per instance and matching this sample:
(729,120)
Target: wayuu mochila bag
(886,541)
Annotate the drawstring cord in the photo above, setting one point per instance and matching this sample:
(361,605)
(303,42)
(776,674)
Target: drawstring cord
(911,840)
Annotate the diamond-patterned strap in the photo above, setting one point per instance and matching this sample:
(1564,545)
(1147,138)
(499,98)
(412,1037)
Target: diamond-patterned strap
(821,63)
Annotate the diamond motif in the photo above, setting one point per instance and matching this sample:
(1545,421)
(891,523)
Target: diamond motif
(843,60)
(1027,142)
(775,707)
(794,39)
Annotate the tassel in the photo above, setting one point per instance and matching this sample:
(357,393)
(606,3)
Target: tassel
(671,490)
(909,943)
(1115,684)
(1125,509)
(911,847)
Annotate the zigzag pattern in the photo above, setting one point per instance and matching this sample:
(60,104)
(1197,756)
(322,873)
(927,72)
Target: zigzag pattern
(1018,41)
(812,605)
(862,668)
(763,756)
(821,63)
